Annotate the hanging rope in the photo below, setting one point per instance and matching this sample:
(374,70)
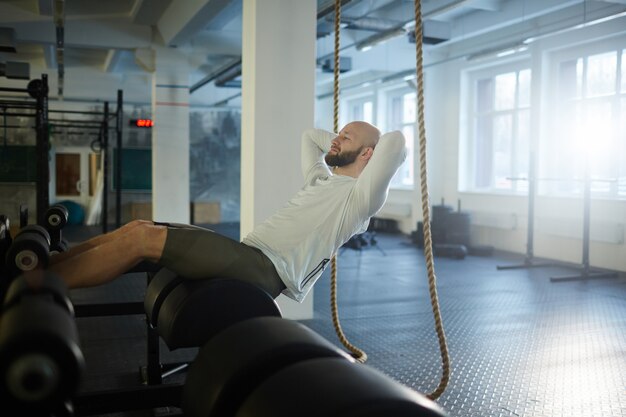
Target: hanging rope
(357,353)
(428,244)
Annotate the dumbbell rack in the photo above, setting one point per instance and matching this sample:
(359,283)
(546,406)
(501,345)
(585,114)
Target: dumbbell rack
(50,237)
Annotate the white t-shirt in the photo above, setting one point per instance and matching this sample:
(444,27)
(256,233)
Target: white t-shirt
(301,238)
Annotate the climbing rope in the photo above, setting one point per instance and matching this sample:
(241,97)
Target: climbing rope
(428,243)
(357,353)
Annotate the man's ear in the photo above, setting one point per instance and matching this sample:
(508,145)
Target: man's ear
(367,153)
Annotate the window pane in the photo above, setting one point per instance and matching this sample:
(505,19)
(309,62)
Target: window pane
(524,88)
(598,139)
(621,148)
(357,112)
(503,126)
(396,111)
(408,165)
(570,81)
(601,73)
(568,158)
(579,77)
(409,108)
(482,155)
(521,156)
(484,95)
(404,177)
(368,112)
(623,72)
(522,147)
(505,91)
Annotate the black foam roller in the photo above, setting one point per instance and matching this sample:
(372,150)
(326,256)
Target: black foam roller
(335,388)
(236,361)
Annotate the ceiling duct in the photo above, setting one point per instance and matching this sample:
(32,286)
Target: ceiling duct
(379,38)
(7,40)
(369,23)
(223,75)
(345,64)
(433,32)
(228,77)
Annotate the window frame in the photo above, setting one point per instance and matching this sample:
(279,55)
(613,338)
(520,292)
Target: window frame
(617,102)
(468,152)
(398,90)
(347,103)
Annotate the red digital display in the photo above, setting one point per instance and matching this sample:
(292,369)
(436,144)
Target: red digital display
(141,122)
(145,123)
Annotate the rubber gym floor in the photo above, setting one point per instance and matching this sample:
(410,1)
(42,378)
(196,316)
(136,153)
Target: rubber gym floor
(519,344)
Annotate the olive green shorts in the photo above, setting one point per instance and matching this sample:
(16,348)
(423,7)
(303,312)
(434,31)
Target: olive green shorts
(197,253)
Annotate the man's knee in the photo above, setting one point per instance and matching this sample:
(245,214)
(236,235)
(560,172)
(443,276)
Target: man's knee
(150,238)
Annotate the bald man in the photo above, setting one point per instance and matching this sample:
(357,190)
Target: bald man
(347,178)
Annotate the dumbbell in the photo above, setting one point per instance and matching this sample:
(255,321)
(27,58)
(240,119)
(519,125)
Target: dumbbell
(55,219)
(29,250)
(5,236)
(60,246)
(40,359)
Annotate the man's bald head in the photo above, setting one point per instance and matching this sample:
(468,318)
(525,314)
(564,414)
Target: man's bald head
(366,133)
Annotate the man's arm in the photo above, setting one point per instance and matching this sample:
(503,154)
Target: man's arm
(315,144)
(374,181)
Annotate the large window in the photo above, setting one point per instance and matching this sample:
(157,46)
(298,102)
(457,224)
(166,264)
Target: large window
(590,124)
(402,113)
(362,110)
(358,108)
(498,136)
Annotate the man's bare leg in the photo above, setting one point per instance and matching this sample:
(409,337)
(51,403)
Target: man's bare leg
(96,241)
(113,257)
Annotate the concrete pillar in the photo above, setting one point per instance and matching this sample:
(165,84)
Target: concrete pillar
(278,98)
(170,137)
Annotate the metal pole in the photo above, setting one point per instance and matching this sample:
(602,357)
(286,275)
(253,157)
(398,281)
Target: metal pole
(530,232)
(118,166)
(97,113)
(43,149)
(586,218)
(105,163)
(18,114)
(586,271)
(532,178)
(14,90)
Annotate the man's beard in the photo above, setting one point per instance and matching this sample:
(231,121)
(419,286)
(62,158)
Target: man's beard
(342,158)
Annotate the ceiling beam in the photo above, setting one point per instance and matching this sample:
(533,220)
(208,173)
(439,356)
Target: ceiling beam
(513,13)
(96,33)
(183,19)
(614,1)
(487,5)
(111,60)
(148,12)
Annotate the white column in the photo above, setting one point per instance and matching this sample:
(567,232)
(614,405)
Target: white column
(170,137)
(278,98)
